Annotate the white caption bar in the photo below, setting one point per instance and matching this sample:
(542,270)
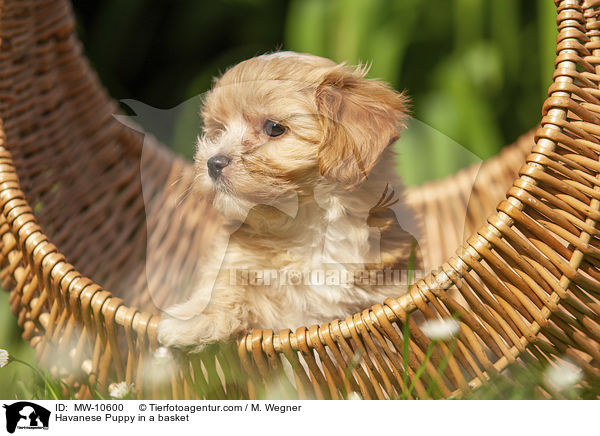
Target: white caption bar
(305,418)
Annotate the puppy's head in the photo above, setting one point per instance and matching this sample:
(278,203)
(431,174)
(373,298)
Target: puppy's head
(277,125)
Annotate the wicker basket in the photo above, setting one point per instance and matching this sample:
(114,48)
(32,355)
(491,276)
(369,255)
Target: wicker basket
(75,232)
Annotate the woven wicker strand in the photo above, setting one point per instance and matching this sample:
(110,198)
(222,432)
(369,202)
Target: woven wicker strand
(77,231)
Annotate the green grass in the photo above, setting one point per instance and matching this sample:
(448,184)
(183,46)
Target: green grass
(524,380)
(16,381)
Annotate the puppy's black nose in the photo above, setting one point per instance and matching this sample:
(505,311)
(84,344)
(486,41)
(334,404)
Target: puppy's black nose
(216,164)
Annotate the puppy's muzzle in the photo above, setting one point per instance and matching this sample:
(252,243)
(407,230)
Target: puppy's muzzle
(216,164)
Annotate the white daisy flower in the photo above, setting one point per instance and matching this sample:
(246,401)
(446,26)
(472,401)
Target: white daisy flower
(440,329)
(562,375)
(162,356)
(119,390)
(5,358)
(354,396)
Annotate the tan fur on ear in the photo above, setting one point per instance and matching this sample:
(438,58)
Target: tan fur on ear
(360,118)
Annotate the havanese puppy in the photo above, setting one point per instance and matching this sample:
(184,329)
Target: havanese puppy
(296,155)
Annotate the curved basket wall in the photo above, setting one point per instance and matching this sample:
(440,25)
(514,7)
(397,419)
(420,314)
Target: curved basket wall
(75,233)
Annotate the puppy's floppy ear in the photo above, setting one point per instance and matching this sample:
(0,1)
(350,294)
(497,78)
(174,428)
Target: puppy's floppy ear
(360,118)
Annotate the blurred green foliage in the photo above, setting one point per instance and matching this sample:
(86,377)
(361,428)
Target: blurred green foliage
(477,70)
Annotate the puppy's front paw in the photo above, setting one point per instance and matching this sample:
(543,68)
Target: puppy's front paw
(181,333)
(195,333)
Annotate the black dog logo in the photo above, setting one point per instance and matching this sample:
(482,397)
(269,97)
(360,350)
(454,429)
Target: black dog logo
(26,415)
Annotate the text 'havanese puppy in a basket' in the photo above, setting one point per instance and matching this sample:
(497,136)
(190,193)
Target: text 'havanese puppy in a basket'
(296,155)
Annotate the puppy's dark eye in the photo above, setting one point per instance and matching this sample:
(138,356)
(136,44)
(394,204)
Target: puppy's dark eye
(273,129)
